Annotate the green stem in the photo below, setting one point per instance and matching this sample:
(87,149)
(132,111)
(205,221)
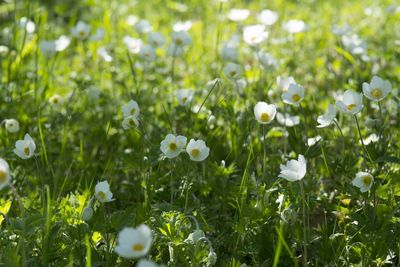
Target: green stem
(304,224)
(264,151)
(362,141)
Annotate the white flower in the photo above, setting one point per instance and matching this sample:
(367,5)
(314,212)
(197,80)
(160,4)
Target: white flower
(102,192)
(195,237)
(211,259)
(143,26)
(87,212)
(295,26)
(182,26)
(294,94)
(354,44)
(197,150)
(81,30)
(238,14)
(56,100)
(313,140)
(255,34)
(133,44)
(173,145)
(12,125)
(5,176)
(233,71)
(351,103)
(103,53)
(287,120)
(131,109)
(130,122)
(341,30)
(147,53)
(156,39)
(373,138)
(327,118)
(267,60)
(294,170)
(284,83)
(25,149)
(181,38)
(363,181)
(268,17)
(62,43)
(134,242)
(184,96)
(4,50)
(99,35)
(27,24)
(377,90)
(146,263)
(229,53)
(264,112)
(47,47)
(131,20)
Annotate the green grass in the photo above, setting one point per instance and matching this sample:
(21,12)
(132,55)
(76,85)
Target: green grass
(230,194)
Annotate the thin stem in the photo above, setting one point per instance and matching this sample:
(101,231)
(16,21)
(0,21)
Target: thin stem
(172,182)
(341,132)
(264,151)
(362,141)
(304,224)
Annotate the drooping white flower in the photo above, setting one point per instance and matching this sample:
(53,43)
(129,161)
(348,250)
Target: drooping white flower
(103,53)
(173,145)
(102,192)
(184,96)
(182,26)
(81,30)
(25,149)
(267,61)
(238,14)
(351,102)
(62,43)
(143,26)
(26,23)
(373,138)
(131,109)
(12,125)
(147,53)
(294,94)
(267,17)
(87,212)
(295,26)
(197,150)
(364,181)
(294,170)
(233,71)
(327,118)
(5,177)
(133,44)
(130,122)
(134,242)
(195,237)
(156,39)
(377,90)
(264,112)
(287,120)
(284,83)
(313,140)
(255,34)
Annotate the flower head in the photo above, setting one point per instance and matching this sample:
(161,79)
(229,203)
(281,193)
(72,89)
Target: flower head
(25,149)
(143,26)
(264,112)
(295,26)
(294,95)
(284,83)
(173,145)
(147,53)
(133,44)
(181,38)
(351,103)
(130,122)
(197,150)
(184,96)
(156,39)
(81,30)
(134,242)
(12,125)
(5,176)
(233,71)
(102,192)
(364,181)
(294,170)
(267,17)
(238,14)
(131,109)
(327,118)
(377,90)
(56,100)
(255,34)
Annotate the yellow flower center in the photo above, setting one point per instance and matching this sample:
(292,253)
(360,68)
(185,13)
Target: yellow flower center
(295,97)
(367,180)
(26,151)
(232,73)
(195,152)
(133,110)
(376,93)
(81,33)
(264,117)
(173,146)
(178,41)
(3,176)
(351,106)
(55,100)
(101,195)
(137,247)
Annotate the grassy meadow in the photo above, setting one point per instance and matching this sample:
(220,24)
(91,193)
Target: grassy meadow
(199,133)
